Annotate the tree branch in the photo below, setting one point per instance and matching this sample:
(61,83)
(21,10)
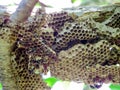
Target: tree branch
(23,11)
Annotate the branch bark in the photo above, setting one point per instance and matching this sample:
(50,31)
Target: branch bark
(23,11)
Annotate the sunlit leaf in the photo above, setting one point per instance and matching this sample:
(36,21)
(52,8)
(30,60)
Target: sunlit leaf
(43,5)
(0,86)
(51,81)
(38,4)
(115,87)
(73,1)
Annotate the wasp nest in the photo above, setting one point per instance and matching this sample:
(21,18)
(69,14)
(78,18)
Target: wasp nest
(114,20)
(26,79)
(73,33)
(29,52)
(103,74)
(80,56)
(80,48)
(57,20)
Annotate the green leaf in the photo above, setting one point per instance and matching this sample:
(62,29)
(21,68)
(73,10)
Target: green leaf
(43,5)
(73,1)
(51,81)
(114,87)
(38,4)
(0,86)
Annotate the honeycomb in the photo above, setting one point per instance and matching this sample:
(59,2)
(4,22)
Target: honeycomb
(75,32)
(37,40)
(30,52)
(47,34)
(86,55)
(26,80)
(56,20)
(74,48)
(108,33)
(103,74)
(114,20)
(80,56)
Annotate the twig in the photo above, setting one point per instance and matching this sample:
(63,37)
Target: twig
(23,11)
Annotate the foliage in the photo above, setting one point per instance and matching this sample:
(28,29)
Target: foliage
(73,1)
(0,86)
(95,2)
(51,81)
(115,87)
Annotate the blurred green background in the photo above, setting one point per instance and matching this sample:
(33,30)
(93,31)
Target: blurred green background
(95,2)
